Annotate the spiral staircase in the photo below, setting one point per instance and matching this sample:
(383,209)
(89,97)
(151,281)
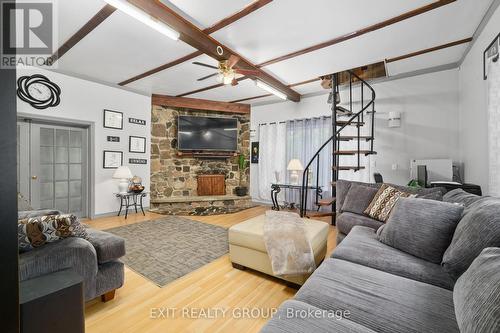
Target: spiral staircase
(352,112)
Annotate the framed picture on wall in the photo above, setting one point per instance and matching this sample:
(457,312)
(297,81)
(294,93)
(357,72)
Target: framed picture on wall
(113,119)
(255,153)
(137,144)
(112,159)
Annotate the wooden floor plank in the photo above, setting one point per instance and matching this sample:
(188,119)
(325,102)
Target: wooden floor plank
(214,286)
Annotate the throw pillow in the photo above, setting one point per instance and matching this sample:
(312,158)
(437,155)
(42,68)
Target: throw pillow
(37,231)
(420,227)
(358,198)
(383,202)
(476,294)
(438,196)
(479,228)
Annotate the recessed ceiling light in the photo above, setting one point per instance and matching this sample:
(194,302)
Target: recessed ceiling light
(145,18)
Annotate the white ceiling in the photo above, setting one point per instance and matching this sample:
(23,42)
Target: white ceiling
(122,47)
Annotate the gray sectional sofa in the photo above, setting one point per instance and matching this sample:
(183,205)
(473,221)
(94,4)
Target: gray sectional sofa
(367,286)
(95,259)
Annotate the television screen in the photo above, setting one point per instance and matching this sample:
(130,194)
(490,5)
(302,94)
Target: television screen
(206,133)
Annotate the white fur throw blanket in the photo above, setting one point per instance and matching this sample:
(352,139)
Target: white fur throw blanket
(287,244)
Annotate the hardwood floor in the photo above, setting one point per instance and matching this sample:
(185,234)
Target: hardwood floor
(141,306)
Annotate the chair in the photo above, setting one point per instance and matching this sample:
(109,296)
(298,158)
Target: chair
(378,178)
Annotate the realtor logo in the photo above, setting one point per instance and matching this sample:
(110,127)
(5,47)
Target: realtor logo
(28,33)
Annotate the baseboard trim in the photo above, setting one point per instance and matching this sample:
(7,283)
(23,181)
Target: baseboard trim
(115,213)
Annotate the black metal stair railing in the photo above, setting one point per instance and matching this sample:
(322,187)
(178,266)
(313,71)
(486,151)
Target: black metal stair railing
(357,119)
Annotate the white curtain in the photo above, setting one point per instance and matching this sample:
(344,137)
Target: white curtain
(272,157)
(304,138)
(494,127)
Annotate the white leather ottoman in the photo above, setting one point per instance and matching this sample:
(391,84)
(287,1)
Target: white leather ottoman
(247,248)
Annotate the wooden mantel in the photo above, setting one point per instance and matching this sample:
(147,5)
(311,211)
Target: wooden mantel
(199,104)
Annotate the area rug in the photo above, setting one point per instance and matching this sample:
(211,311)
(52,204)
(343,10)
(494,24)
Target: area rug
(165,249)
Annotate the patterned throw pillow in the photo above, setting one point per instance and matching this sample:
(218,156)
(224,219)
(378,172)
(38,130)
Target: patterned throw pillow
(37,231)
(384,201)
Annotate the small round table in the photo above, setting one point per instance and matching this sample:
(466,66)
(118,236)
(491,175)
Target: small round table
(127,203)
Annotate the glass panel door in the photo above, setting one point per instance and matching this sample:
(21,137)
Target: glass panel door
(59,169)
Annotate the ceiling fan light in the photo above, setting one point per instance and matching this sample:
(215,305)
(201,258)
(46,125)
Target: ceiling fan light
(145,18)
(270,89)
(227,79)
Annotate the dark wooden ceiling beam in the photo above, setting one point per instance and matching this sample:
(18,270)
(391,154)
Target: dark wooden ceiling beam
(432,49)
(199,104)
(193,36)
(93,23)
(354,34)
(217,26)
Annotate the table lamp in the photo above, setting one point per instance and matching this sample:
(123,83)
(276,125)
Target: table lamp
(294,166)
(124,174)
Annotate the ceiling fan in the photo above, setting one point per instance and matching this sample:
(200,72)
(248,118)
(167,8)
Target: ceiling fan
(226,73)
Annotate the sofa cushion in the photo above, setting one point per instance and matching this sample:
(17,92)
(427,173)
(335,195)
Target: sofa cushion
(479,228)
(384,201)
(342,188)
(358,198)
(477,294)
(294,317)
(346,221)
(421,227)
(361,246)
(438,196)
(378,300)
(25,214)
(461,197)
(108,246)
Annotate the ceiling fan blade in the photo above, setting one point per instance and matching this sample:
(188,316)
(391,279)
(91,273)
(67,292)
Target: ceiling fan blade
(208,76)
(247,72)
(204,65)
(232,61)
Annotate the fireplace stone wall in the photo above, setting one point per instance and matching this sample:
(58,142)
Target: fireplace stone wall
(174,177)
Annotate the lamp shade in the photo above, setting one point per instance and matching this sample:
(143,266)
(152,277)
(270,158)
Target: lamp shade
(295,165)
(123,172)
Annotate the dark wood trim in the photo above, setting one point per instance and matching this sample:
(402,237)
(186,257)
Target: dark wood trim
(193,36)
(374,27)
(161,68)
(249,98)
(432,49)
(236,16)
(217,26)
(9,254)
(304,82)
(199,104)
(93,23)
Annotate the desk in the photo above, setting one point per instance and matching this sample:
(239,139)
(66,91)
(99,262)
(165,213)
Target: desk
(276,188)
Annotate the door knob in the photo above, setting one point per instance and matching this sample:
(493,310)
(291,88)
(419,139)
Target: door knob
(34,177)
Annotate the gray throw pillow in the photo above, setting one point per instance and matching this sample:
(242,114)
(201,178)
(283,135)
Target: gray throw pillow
(476,294)
(358,198)
(431,196)
(478,229)
(420,227)
(461,197)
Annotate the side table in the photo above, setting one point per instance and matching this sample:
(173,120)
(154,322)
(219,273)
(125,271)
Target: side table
(131,199)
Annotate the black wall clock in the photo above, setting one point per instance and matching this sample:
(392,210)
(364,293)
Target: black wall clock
(38,91)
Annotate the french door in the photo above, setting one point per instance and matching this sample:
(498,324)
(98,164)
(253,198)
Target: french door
(53,170)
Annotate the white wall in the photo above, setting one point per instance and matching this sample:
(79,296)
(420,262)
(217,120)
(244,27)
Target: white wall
(429,107)
(83,100)
(473,119)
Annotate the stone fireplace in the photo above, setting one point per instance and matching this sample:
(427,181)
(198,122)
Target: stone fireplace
(174,176)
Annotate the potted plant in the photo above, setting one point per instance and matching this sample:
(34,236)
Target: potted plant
(241,190)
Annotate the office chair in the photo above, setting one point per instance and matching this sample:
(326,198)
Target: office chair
(378,178)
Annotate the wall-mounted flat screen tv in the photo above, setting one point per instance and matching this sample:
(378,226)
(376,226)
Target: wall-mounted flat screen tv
(207,133)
